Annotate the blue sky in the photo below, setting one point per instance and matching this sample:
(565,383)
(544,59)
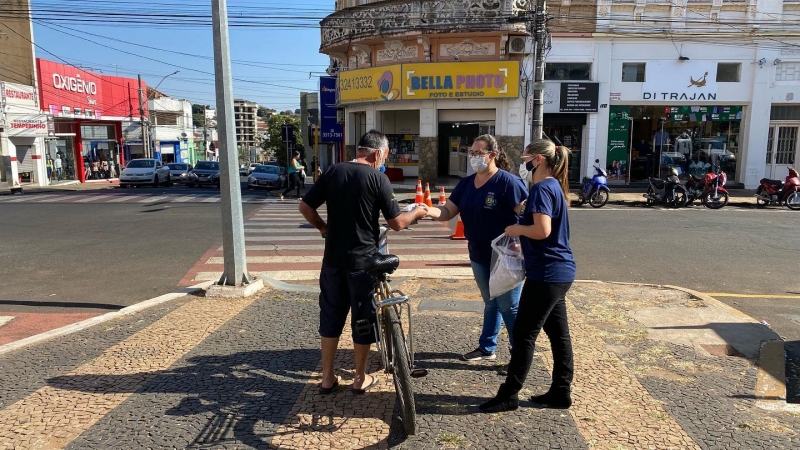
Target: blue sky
(278,52)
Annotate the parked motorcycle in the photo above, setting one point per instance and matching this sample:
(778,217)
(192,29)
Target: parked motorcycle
(669,192)
(775,192)
(595,190)
(709,189)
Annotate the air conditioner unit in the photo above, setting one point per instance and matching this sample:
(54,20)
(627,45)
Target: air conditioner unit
(520,44)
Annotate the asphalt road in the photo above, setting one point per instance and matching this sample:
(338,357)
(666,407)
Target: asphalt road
(93,257)
(100,257)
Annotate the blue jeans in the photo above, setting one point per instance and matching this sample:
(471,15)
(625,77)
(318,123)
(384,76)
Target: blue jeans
(495,309)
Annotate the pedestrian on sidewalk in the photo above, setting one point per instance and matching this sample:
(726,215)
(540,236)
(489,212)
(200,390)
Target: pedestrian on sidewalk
(355,192)
(294,175)
(550,271)
(489,201)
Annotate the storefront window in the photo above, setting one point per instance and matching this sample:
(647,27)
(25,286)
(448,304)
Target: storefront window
(568,71)
(728,72)
(696,139)
(633,72)
(62,152)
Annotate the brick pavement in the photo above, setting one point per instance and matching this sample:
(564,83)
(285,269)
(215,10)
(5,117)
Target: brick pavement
(199,373)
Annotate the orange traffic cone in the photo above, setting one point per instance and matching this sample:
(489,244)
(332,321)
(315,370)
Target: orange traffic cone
(459,234)
(428,201)
(419,198)
(442,198)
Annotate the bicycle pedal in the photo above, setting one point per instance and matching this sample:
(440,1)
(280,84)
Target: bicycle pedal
(419,373)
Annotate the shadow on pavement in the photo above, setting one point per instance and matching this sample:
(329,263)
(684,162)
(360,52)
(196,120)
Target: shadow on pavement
(250,397)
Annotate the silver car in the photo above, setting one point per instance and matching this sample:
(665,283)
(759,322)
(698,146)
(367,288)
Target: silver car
(179,172)
(144,171)
(265,177)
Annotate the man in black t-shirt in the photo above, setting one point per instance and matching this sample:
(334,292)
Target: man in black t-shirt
(355,192)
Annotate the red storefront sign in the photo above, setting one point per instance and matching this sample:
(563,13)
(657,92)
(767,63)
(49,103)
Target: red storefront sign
(66,91)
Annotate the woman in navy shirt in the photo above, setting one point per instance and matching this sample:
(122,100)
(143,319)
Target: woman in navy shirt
(550,271)
(488,201)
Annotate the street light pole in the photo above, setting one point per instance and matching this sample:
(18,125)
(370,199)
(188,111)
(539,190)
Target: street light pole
(234,257)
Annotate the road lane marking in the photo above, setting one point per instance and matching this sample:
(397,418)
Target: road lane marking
(318,259)
(94,198)
(5,319)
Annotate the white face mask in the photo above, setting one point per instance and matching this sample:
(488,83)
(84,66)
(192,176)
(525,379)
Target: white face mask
(524,173)
(479,164)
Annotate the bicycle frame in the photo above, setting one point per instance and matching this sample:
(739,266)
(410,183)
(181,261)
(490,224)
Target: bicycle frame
(385,297)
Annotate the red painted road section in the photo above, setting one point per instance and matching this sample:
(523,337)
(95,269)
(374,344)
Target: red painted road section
(24,325)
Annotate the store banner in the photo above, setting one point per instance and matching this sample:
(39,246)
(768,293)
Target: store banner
(703,113)
(375,84)
(677,80)
(619,134)
(485,79)
(67,91)
(330,128)
(34,125)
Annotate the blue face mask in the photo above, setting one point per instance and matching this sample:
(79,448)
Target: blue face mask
(382,168)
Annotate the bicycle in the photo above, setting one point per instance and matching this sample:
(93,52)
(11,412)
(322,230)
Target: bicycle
(397,351)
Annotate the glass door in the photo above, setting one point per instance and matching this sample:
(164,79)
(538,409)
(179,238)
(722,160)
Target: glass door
(781,150)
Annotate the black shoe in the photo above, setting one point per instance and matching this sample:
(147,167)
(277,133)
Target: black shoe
(499,404)
(553,399)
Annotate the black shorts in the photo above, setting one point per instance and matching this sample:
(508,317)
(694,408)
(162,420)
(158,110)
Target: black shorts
(342,291)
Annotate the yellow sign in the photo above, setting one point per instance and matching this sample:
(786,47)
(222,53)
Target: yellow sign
(375,84)
(485,79)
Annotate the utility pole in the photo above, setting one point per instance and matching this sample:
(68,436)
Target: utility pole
(540,35)
(205,133)
(234,258)
(145,140)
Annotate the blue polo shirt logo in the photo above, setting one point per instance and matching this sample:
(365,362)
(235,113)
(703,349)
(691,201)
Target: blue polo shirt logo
(490,201)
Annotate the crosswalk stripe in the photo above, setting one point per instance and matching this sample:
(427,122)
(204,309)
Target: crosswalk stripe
(153,199)
(94,198)
(392,246)
(5,319)
(211,200)
(318,259)
(302,275)
(184,199)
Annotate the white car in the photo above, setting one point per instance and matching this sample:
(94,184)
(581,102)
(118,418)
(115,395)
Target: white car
(144,171)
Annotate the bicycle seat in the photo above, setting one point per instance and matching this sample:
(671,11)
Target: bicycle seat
(380,264)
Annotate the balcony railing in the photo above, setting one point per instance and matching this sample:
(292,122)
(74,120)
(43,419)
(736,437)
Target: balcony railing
(420,16)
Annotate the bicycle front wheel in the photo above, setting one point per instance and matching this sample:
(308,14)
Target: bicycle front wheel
(401,371)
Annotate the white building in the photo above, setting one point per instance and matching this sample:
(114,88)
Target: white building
(172,132)
(23,129)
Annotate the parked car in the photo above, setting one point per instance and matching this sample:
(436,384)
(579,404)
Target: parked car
(244,171)
(265,177)
(205,172)
(285,181)
(179,172)
(144,171)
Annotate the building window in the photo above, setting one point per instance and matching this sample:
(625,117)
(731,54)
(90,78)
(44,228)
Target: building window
(787,145)
(728,72)
(568,71)
(784,112)
(770,138)
(633,72)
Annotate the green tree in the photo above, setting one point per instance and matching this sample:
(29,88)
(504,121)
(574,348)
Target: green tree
(265,112)
(198,114)
(275,143)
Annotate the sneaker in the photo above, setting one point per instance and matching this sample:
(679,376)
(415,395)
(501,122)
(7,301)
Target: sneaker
(499,404)
(555,400)
(502,370)
(478,354)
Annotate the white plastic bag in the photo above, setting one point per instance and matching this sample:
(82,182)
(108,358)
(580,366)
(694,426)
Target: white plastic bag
(508,265)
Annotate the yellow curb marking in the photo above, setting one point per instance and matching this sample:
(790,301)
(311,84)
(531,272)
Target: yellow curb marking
(611,408)
(340,420)
(727,294)
(52,417)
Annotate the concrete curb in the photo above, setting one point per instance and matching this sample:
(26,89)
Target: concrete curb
(82,325)
(770,389)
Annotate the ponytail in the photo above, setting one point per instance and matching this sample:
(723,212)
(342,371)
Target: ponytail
(502,159)
(557,159)
(561,168)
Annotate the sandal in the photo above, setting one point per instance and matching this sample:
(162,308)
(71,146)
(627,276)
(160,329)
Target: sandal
(326,391)
(364,389)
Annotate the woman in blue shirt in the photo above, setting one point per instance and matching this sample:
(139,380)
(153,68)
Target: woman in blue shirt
(488,201)
(550,271)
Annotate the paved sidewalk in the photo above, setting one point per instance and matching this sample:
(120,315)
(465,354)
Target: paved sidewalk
(652,372)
